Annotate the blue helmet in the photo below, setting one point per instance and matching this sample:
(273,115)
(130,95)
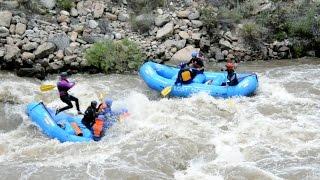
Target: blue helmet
(108,102)
(194,54)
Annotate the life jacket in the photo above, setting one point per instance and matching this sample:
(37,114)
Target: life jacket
(186,76)
(76,128)
(98,127)
(232,77)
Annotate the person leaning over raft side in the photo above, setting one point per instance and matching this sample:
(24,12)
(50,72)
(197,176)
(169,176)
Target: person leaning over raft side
(90,115)
(186,75)
(231,76)
(63,86)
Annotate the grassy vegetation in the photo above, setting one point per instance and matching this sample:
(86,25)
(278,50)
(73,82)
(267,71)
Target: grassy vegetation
(115,56)
(65,4)
(141,23)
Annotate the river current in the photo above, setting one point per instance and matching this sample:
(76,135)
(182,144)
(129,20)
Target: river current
(274,134)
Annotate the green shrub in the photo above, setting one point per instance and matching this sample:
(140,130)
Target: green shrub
(209,17)
(115,56)
(65,4)
(229,15)
(252,33)
(303,25)
(141,23)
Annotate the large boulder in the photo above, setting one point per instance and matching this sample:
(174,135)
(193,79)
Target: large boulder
(12,52)
(20,28)
(60,40)
(98,9)
(30,46)
(5,18)
(165,31)
(49,4)
(162,19)
(4,32)
(183,54)
(44,50)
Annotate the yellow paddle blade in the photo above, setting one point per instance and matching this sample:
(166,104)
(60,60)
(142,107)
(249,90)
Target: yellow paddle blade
(47,87)
(102,95)
(166,91)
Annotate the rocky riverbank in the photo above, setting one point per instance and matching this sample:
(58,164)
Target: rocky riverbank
(46,39)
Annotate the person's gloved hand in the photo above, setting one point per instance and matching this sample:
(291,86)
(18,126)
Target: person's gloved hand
(182,65)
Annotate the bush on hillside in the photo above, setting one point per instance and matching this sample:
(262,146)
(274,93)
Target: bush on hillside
(115,56)
(252,34)
(141,23)
(209,18)
(65,4)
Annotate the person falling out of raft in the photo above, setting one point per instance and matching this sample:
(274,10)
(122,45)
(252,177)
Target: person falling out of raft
(63,86)
(190,69)
(232,79)
(103,120)
(90,115)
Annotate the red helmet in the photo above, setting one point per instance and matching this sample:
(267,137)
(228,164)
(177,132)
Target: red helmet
(230,66)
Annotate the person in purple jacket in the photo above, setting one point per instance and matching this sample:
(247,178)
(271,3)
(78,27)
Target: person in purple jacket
(63,86)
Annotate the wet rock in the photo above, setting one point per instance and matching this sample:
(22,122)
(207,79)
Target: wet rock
(20,28)
(165,31)
(4,32)
(5,18)
(44,50)
(61,40)
(162,19)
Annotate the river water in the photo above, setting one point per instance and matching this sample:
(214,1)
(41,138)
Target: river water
(272,135)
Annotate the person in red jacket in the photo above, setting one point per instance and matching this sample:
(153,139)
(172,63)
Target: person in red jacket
(63,86)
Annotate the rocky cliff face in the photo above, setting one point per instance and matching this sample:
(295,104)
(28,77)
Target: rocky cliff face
(37,37)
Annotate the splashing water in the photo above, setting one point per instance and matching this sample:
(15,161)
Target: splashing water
(272,135)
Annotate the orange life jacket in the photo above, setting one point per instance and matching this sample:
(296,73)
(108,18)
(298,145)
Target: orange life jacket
(98,127)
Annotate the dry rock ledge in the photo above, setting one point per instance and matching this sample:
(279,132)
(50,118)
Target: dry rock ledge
(35,44)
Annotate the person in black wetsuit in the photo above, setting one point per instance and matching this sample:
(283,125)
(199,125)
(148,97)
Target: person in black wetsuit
(190,69)
(90,115)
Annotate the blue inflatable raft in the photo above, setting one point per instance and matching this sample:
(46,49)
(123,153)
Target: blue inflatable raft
(61,126)
(159,76)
